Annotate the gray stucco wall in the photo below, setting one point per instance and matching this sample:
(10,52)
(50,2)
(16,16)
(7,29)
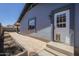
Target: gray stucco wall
(41,12)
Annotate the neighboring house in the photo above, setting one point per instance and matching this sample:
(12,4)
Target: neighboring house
(10,28)
(53,22)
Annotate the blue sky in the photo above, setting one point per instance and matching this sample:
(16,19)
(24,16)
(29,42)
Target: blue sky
(9,13)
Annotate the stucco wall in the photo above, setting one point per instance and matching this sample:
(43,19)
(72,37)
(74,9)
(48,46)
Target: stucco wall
(41,12)
(45,33)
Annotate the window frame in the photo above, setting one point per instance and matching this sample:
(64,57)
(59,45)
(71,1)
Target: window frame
(60,23)
(34,18)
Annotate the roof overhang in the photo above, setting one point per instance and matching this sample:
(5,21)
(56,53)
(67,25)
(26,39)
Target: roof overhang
(25,9)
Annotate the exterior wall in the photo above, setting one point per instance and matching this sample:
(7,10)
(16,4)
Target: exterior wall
(71,23)
(45,33)
(76,41)
(41,12)
(76,26)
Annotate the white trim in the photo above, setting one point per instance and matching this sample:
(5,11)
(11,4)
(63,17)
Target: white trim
(64,32)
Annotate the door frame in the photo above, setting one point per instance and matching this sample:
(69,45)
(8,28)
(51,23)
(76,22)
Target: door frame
(60,29)
(70,7)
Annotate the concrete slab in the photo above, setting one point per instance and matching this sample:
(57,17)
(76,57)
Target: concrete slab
(69,50)
(29,43)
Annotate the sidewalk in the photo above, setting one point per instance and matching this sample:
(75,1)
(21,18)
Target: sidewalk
(28,43)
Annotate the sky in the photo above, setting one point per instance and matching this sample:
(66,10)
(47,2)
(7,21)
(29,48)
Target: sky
(10,12)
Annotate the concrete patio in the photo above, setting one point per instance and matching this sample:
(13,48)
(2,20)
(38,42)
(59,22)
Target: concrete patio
(31,44)
(28,43)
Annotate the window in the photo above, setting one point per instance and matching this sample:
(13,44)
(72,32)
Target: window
(32,24)
(61,20)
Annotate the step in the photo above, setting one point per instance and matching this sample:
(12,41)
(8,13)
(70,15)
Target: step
(6,46)
(56,53)
(65,49)
(45,53)
(6,36)
(24,53)
(8,42)
(7,39)
(12,45)
(9,45)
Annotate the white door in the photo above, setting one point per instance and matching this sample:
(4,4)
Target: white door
(61,26)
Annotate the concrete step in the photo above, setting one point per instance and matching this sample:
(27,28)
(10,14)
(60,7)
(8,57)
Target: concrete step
(6,36)
(24,53)
(8,39)
(8,42)
(56,53)
(62,48)
(12,45)
(50,52)
(45,53)
(9,46)
(6,46)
